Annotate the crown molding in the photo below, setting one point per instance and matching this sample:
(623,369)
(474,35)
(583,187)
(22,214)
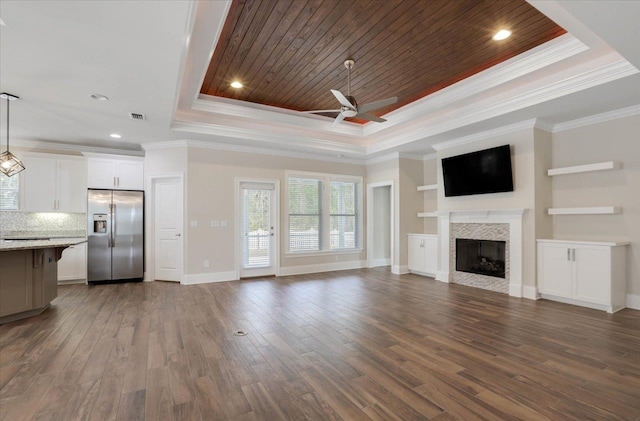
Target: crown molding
(476,137)
(429,156)
(535,59)
(597,118)
(604,69)
(42,144)
(186,143)
(269,138)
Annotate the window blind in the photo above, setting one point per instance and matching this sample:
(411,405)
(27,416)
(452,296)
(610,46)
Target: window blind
(9,192)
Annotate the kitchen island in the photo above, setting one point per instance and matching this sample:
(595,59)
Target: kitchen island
(29,275)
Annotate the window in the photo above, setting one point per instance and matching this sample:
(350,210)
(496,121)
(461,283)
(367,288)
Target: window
(343,219)
(324,213)
(9,192)
(305,214)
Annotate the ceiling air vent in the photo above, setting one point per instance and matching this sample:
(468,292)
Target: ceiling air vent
(137,116)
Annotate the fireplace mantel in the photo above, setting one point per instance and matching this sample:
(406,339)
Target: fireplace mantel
(513,217)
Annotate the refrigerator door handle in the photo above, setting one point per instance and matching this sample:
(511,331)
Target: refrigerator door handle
(113,225)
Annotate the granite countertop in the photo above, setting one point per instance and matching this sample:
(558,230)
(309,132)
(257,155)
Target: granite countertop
(8,235)
(11,245)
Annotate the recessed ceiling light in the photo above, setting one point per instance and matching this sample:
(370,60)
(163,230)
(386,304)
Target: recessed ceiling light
(236,84)
(502,34)
(115,135)
(100,97)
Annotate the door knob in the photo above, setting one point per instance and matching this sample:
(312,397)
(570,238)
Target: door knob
(178,235)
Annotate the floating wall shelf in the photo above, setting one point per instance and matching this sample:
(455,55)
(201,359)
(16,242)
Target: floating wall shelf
(603,210)
(428,187)
(600,166)
(427,214)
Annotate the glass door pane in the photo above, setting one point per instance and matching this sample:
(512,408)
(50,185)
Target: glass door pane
(257,228)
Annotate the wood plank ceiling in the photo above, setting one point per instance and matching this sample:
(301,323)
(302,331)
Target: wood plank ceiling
(289,53)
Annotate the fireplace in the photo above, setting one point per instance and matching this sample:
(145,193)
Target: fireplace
(482,257)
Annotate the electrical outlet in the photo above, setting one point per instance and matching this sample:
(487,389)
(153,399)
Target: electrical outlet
(223,223)
(206,263)
(215,224)
(194,224)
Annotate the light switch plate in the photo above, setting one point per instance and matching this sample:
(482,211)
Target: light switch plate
(194,224)
(215,224)
(223,223)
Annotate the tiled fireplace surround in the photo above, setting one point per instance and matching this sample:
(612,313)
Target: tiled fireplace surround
(501,225)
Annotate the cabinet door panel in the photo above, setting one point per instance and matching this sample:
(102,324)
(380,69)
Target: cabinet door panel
(72,185)
(431,255)
(39,185)
(416,254)
(593,275)
(130,176)
(73,264)
(555,270)
(102,174)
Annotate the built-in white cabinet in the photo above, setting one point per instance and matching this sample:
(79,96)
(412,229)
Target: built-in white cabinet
(73,264)
(119,174)
(423,254)
(54,184)
(591,274)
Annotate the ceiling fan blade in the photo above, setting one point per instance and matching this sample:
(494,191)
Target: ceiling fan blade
(338,119)
(320,111)
(370,117)
(377,104)
(342,99)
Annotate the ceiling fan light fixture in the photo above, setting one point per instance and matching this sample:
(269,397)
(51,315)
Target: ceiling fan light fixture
(501,34)
(100,97)
(9,163)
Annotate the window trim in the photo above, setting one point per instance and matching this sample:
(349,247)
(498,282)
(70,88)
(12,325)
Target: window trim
(325,214)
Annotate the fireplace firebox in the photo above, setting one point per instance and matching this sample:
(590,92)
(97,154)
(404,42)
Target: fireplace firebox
(483,257)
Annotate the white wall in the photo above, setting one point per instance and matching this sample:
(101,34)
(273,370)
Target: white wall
(381,223)
(617,140)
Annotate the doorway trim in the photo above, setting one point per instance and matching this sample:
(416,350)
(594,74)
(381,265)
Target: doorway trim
(150,227)
(370,212)
(237,225)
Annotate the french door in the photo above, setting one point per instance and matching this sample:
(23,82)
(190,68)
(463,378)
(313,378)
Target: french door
(258,231)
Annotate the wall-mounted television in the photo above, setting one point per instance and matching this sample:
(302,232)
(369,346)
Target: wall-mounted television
(481,172)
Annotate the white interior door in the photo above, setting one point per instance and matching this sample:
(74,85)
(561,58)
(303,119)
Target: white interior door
(167,215)
(258,229)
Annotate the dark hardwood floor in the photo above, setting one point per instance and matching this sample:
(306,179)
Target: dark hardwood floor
(344,345)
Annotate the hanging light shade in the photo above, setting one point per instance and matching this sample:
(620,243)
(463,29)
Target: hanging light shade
(9,163)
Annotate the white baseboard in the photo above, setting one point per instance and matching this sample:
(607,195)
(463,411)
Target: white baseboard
(379,262)
(633,301)
(530,293)
(206,278)
(399,269)
(417,272)
(322,267)
(442,276)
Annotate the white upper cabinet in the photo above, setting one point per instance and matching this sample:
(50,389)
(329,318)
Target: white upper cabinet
(116,174)
(52,184)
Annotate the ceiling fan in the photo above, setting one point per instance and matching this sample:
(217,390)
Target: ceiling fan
(348,105)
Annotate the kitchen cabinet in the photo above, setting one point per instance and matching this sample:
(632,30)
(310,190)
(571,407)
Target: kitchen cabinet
(118,174)
(72,266)
(586,273)
(423,254)
(54,184)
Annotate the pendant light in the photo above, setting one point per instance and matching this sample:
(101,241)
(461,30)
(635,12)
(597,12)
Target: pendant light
(9,163)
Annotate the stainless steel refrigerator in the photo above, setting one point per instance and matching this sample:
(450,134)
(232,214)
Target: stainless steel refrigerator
(115,236)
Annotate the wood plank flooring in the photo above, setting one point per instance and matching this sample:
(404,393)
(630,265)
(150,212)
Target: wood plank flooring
(351,345)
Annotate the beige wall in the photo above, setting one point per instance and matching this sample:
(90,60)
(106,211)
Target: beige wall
(211,196)
(617,140)
(430,197)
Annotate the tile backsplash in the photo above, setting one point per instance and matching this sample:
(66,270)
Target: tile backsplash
(42,221)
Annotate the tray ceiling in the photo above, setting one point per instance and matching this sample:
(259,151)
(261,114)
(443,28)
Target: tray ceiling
(289,53)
